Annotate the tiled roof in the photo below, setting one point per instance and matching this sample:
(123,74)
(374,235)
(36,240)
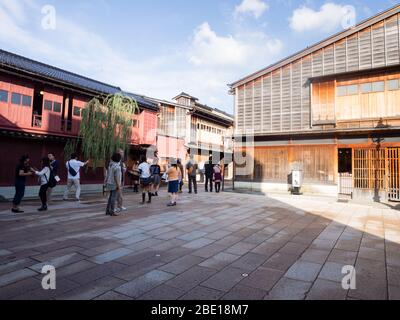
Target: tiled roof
(142,101)
(18,62)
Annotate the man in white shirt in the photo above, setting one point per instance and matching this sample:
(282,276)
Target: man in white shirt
(73,167)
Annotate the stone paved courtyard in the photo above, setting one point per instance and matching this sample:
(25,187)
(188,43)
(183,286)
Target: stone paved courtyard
(226,246)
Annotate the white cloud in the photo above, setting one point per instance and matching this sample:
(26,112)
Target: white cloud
(255,7)
(209,49)
(329,18)
(201,65)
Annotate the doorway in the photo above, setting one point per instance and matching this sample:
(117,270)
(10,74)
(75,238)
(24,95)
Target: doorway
(37,107)
(345,167)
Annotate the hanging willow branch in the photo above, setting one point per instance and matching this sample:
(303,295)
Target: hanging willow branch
(106,126)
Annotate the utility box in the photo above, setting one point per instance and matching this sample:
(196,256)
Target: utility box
(297,181)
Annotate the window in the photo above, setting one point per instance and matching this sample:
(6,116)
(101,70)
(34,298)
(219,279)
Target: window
(48,105)
(135,123)
(393,84)
(366,87)
(77,111)
(353,89)
(16,98)
(26,101)
(378,86)
(3,96)
(341,91)
(57,107)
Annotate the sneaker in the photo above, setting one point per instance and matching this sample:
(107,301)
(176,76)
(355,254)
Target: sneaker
(170,205)
(42,209)
(122,209)
(17,210)
(114,214)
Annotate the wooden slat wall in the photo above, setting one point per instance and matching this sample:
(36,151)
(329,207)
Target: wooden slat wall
(276,101)
(373,47)
(267,105)
(273,164)
(286,99)
(257,112)
(240,108)
(296,96)
(352,53)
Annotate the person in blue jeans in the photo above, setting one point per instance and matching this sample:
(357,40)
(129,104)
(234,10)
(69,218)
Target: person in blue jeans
(22,171)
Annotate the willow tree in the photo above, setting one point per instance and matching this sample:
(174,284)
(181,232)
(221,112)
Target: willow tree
(106,127)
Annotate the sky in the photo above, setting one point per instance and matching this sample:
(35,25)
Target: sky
(160,48)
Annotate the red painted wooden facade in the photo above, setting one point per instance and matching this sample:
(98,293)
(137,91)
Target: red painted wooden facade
(37,118)
(55,115)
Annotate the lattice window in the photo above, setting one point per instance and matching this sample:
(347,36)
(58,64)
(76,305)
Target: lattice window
(369,169)
(393,157)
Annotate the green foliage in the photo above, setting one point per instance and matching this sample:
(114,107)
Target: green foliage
(70,148)
(106,126)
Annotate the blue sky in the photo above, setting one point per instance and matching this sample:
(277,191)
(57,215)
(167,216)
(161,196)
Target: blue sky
(160,48)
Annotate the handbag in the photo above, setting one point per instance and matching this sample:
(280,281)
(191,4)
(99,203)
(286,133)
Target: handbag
(71,171)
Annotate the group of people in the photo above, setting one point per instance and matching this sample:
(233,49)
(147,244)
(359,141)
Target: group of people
(48,179)
(147,176)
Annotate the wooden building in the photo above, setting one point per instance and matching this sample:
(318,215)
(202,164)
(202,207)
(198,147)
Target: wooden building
(185,125)
(41,108)
(331,110)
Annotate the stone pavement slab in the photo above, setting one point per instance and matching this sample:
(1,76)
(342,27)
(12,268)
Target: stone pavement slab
(210,246)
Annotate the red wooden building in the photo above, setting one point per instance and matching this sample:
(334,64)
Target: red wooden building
(40,110)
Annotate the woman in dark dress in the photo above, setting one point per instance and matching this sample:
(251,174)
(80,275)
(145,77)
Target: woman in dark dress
(22,171)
